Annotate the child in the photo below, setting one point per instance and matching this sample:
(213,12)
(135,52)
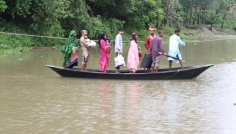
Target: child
(87,41)
(108,39)
(108,42)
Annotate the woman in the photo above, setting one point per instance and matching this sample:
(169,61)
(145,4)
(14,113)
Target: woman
(104,53)
(70,51)
(133,54)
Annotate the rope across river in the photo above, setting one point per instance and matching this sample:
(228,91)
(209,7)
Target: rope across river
(50,37)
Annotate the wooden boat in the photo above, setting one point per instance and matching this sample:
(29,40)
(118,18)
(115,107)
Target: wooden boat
(190,72)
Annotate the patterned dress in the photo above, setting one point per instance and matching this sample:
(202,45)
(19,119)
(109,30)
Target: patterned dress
(84,48)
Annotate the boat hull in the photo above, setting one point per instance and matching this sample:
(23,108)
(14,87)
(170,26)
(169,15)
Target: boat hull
(190,72)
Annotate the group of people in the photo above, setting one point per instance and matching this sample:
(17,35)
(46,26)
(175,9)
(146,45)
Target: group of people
(70,50)
(153,44)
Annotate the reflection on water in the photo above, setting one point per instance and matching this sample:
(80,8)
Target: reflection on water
(34,99)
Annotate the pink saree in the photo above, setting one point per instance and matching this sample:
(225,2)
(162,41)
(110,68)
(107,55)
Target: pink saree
(104,56)
(133,57)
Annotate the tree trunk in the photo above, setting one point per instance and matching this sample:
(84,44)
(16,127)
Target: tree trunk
(186,20)
(157,24)
(205,17)
(195,15)
(212,22)
(191,14)
(165,22)
(162,22)
(224,18)
(170,24)
(198,19)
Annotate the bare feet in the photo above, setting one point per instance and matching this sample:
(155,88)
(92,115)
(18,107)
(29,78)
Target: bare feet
(117,72)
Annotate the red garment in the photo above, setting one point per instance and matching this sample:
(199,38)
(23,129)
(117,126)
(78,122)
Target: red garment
(148,42)
(104,56)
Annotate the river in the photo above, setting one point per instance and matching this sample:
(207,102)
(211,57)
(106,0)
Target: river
(34,99)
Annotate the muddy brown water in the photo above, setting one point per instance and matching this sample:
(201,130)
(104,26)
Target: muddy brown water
(36,100)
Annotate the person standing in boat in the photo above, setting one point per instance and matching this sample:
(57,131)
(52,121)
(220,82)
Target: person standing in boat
(133,54)
(119,46)
(85,49)
(104,53)
(70,51)
(156,47)
(149,38)
(174,48)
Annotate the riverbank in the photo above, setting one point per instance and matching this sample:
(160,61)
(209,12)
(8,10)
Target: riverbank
(18,43)
(203,33)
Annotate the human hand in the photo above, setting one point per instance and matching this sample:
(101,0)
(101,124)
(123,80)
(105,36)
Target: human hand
(119,52)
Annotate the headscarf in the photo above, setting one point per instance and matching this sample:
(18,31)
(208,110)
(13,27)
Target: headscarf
(71,41)
(101,37)
(133,37)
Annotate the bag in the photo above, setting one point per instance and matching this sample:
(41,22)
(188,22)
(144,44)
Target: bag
(147,61)
(140,53)
(92,43)
(119,61)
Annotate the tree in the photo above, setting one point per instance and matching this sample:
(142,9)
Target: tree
(3,6)
(229,7)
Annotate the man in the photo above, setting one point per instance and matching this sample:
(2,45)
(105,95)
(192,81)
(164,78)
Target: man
(148,41)
(119,46)
(155,50)
(174,48)
(85,49)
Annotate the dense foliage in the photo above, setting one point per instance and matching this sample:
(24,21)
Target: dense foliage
(58,17)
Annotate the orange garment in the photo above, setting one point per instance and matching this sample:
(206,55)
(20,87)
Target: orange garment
(148,42)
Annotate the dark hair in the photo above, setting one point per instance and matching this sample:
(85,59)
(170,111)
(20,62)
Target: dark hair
(121,29)
(101,37)
(160,31)
(133,37)
(177,30)
(107,35)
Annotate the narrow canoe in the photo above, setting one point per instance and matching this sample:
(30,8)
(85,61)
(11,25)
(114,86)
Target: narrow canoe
(189,72)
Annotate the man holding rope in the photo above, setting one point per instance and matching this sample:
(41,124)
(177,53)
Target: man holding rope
(174,48)
(155,50)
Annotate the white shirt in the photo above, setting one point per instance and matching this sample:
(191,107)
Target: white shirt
(118,43)
(174,46)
